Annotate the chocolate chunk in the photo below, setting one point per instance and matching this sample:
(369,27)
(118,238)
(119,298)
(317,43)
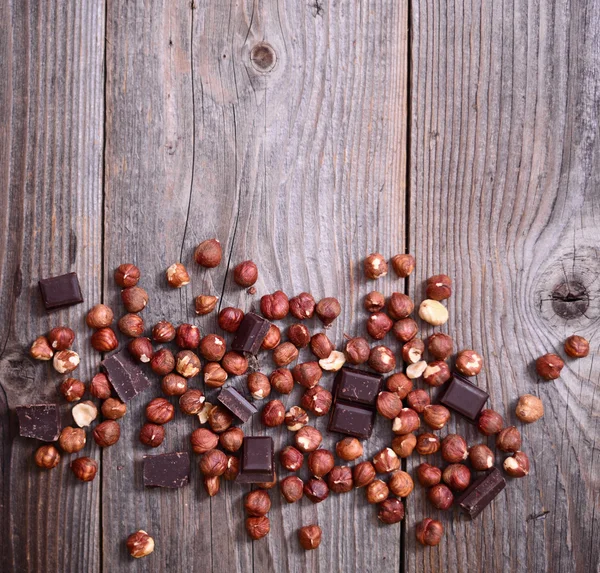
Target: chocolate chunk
(481,493)
(125,375)
(357,386)
(60,291)
(167,470)
(464,397)
(257,464)
(40,421)
(237,404)
(351,420)
(250,334)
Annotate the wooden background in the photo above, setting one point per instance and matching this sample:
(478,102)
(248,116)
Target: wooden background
(305,135)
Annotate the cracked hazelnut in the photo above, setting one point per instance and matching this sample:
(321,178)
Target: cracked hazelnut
(99,316)
(378,325)
(219,419)
(273,414)
(454,448)
(377,491)
(258,385)
(403,265)
(203,440)
(204,412)
(363,474)
(40,349)
(65,361)
(71,439)
(163,331)
(272,338)
(298,335)
(391,511)
(187,363)
(212,347)
(357,350)
(481,457)
(427,444)
(333,362)
(509,439)
(308,439)
(214,375)
(517,465)
(529,408)
(234,363)
(258,527)
(321,346)
(134,298)
(428,475)
(212,485)
(84,413)
(104,340)
(177,276)
(382,359)
(375,266)
(549,366)
(440,496)
(100,386)
(436,416)
(412,353)
(418,400)
(490,422)
(307,374)
(141,349)
(433,312)
(131,325)
(282,380)
(302,306)
(160,411)
(233,468)
(400,384)
(468,362)
(230,318)
(291,458)
(191,401)
(162,361)
(208,253)
(84,468)
(113,409)
(187,336)
(213,463)
(320,462)
(414,371)
(457,477)
(440,346)
(295,419)
(291,488)
(404,445)
(328,309)
(61,338)
(140,544)
(429,532)
(257,503)
(285,354)
(107,433)
(388,404)
(400,306)
(316,400)
(152,435)
(386,461)
(127,275)
(406,422)
(374,301)
(316,489)
(309,537)
(439,287)
(72,389)
(401,484)
(349,449)
(205,303)
(174,385)
(245,274)
(577,346)
(46,457)
(274,306)
(436,373)
(405,330)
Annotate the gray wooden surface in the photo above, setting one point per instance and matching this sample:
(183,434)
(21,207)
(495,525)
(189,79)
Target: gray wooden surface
(131,131)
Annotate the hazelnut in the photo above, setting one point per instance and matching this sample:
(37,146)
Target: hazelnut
(457,477)
(517,465)
(436,416)
(349,449)
(406,422)
(131,325)
(203,440)
(230,318)
(204,412)
(100,386)
(291,458)
(285,354)
(272,338)
(152,435)
(213,463)
(309,537)
(321,346)
(400,384)
(47,457)
(104,340)
(212,485)
(375,266)
(212,347)
(481,457)
(388,404)
(273,414)
(405,329)
(274,306)
(99,316)
(65,361)
(134,298)
(72,389)
(429,532)
(162,362)
(401,484)
(302,306)
(320,462)
(382,359)
(440,496)
(177,276)
(391,511)
(440,346)
(163,331)
(258,527)
(160,411)
(412,353)
(386,461)
(333,362)
(418,400)
(439,287)
(141,349)
(234,363)
(437,373)
(328,309)
(378,325)
(316,490)
(374,301)
(245,274)
(127,275)
(414,371)
(577,346)
(509,439)
(307,374)
(454,448)
(71,439)
(428,475)
(257,503)
(403,265)
(357,350)
(427,444)
(404,445)
(377,491)
(433,312)
(84,413)
(191,401)
(84,468)
(107,433)
(208,253)
(468,362)
(400,306)
(291,488)
(140,544)
(187,363)
(549,366)
(40,349)
(308,439)
(61,338)
(233,468)
(529,408)
(340,479)
(363,474)
(214,375)
(490,422)
(219,419)
(282,380)
(258,385)
(113,409)
(317,400)
(205,304)
(295,419)
(187,336)
(298,335)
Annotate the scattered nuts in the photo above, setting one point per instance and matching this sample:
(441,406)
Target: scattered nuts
(412,351)
(403,265)
(274,306)
(307,374)
(282,380)
(517,465)
(258,527)
(577,346)
(141,349)
(295,419)
(429,532)
(333,362)
(414,371)
(457,477)
(99,316)
(404,445)
(245,274)
(509,439)
(405,329)
(440,346)
(316,490)
(401,484)
(388,404)
(320,462)
(386,461)
(212,347)
(433,312)
(375,266)
(309,537)
(213,463)
(418,400)
(490,422)
(374,301)
(100,386)
(400,384)
(427,444)
(328,309)
(391,511)
(40,349)
(317,400)
(219,419)
(302,306)
(152,435)
(285,354)
(382,359)
(378,325)
(230,318)
(291,488)
(214,375)
(257,503)
(203,440)
(437,373)
(84,468)
(529,408)
(113,409)
(72,389)
(400,306)
(481,457)
(440,496)
(406,422)
(377,491)
(140,544)
(71,439)
(291,458)
(468,362)
(436,416)
(187,337)
(428,475)
(61,338)
(454,448)
(549,366)
(258,385)
(107,433)
(191,402)
(308,439)
(131,325)
(84,413)
(46,457)
(205,304)
(357,350)
(162,362)
(439,287)
(177,276)
(208,253)
(134,298)
(104,340)
(272,338)
(160,411)
(127,275)
(363,474)
(273,414)
(349,449)
(187,363)
(65,361)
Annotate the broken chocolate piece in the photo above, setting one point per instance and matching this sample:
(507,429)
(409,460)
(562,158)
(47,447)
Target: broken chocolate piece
(39,421)
(351,420)
(464,397)
(357,386)
(481,493)
(237,404)
(167,470)
(125,375)
(250,334)
(257,464)
(61,291)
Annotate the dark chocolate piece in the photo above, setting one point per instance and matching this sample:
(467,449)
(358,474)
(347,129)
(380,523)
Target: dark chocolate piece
(125,374)
(237,404)
(40,421)
(351,420)
(481,493)
(357,387)
(167,470)
(257,464)
(464,397)
(60,291)
(251,333)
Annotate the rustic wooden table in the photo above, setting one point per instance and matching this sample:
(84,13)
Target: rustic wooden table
(305,135)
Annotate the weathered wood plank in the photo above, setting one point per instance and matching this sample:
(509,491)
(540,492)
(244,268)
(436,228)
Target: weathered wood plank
(504,174)
(51,114)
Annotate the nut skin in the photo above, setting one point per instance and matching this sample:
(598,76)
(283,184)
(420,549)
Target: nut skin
(481,457)
(104,340)
(258,385)
(468,362)
(302,306)
(440,346)
(401,484)
(440,496)
(400,306)
(382,359)
(412,351)
(205,303)
(214,375)
(233,468)
(203,440)
(349,449)
(212,485)
(65,361)
(404,445)
(375,266)
(113,409)
(374,301)
(549,366)
(517,465)
(245,274)
(509,439)
(208,253)
(191,402)
(152,435)
(84,468)
(99,316)
(72,440)
(134,298)
(457,477)
(400,384)
(388,404)
(454,448)
(141,349)
(140,544)
(41,349)
(436,416)
(340,479)
(291,458)
(386,461)
(363,474)
(230,318)
(437,373)
(328,309)
(282,380)
(212,347)
(177,276)
(391,511)
(307,374)
(298,335)
(61,338)
(187,337)
(428,475)
(272,338)
(308,439)
(219,419)
(439,287)
(187,363)
(131,325)
(285,354)
(257,503)
(377,491)
(126,275)
(433,312)
(316,490)
(378,325)
(162,361)
(258,527)
(100,386)
(429,532)
(577,346)
(357,350)
(320,462)
(405,329)
(295,419)
(403,265)
(213,463)
(490,422)
(321,346)
(529,408)
(427,444)
(418,400)
(107,433)
(234,363)
(317,400)
(273,414)
(275,306)
(406,422)
(72,389)
(309,537)
(160,411)
(46,457)
(163,331)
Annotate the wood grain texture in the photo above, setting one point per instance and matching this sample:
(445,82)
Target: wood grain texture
(51,110)
(504,175)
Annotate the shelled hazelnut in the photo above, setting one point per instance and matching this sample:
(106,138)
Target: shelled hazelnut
(134,298)
(374,301)
(403,265)
(375,266)
(84,468)
(72,440)
(203,440)
(257,503)
(213,463)
(429,532)
(454,448)
(320,345)
(295,419)
(84,413)
(230,318)
(205,303)
(406,422)
(163,331)
(390,511)
(317,400)
(187,336)
(274,306)
(400,306)
(490,422)
(386,461)
(399,383)
(113,409)
(436,416)
(299,335)
(316,490)
(152,435)
(404,445)
(427,444)
(440,496)
(309,537)
(382,359)
(131,325)
(141,349)
(162,361)
(428,475)
(412,352)
(401,484)
(214,375)
(517,465)
(107,433)
(308,439)
(577,346)
(65,361)
(457,477)
(258,527)
(440,345)
(378,325)
(245,274)
(320,462)
(258,385)
(126,275)
(177,276)
(340,479)
(72,389)
(388,404)
(529,408)
(212,347)
(282,380)
(377,491)
(191,401)
(357,350)
(99,316)
(481,457)
(219,419)
(100,386)
(349,449)
(433,312)
(291,458)
(307,374)
(418,400)
(160,411)
(233,468)
(41,349)
(416,370)
(363,474)
(437,373)
(439,287)
(549,366)
(405,329)
(104,340)
(46,457)
(302,306)
(285,354)
(468,362)
(509,439)
(272,338)
(140,544)
(208,253)
(273,414)
(187,363)
(328,309)
(291,488)
(61,338)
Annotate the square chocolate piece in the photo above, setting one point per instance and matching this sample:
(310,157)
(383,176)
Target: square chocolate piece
(257,464)
(61,291)
(39,421)
(351,420)
(237,404)
(481,493)
(167,470)
(125,374)
(250,334)
(357,387)
(464,397)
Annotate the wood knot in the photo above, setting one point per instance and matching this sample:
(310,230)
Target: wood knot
(570,299)
(263,58)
